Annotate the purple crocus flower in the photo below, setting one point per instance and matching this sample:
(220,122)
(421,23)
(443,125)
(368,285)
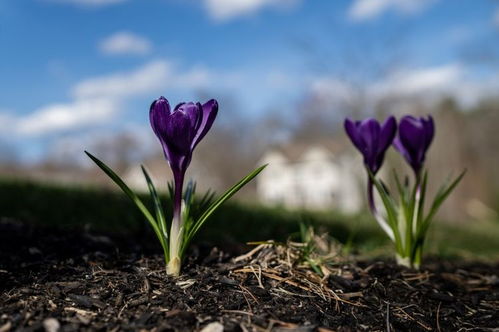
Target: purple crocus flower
(413,140)
(179,132)
(372,139)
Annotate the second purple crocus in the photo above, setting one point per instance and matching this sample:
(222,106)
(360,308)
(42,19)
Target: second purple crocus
(413,140)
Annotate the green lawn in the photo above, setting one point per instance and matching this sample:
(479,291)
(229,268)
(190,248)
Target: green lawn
(110,211)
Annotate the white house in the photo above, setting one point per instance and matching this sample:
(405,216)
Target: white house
(319,176)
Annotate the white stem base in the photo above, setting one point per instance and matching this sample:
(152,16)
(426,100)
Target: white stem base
(405,261)
(173,267)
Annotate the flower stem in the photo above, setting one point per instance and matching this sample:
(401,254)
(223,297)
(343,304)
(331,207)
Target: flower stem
(178,178)
(176,228)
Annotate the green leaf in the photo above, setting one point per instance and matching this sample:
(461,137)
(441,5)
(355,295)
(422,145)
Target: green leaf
(188,199)
(131,195)
(390,208)
(406,213)
(422,199)
(189,192)
(400,188)
(419,197)
(440,197)
(160,216)
(403,196)
(206,200)
(215,205)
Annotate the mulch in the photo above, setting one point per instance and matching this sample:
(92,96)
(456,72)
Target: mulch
(55,280)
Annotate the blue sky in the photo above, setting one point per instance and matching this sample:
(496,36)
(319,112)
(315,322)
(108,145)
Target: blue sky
(71,70)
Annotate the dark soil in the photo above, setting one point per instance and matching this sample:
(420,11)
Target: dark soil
(77,281)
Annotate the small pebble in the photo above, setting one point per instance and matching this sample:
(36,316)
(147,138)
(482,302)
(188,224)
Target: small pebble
(5,327)
(51,325)
(213,327)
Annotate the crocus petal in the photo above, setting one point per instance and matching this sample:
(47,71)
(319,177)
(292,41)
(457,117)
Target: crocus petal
(159,114)
(388,130)
(397,144)
(192,111)
(412,134)
(369,130)
(210,110)
(352,130)
(429,130)
(179,133)
(414,138)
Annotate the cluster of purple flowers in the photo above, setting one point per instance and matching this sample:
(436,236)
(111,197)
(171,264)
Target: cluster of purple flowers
(180,130)
(372,139)
(406,220)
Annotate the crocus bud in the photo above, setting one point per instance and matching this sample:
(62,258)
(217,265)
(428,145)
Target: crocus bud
(413,140)
(372,139)
(181,130)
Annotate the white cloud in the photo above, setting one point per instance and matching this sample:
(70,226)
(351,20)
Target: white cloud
(67,116)
(363,10)
(152,76)
(222,10)
(88,3)
(125,43)
(431,84)
(426,85)
(424,80)
(96,100)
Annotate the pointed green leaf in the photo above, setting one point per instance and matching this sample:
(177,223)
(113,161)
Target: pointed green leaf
(421,201)
(131,195)
(390,208)
(442,194)
(419,197)
(206,200)
(406,213)
(215,205)
(160,216)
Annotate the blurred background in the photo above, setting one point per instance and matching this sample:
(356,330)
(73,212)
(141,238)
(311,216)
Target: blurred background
(80,75)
